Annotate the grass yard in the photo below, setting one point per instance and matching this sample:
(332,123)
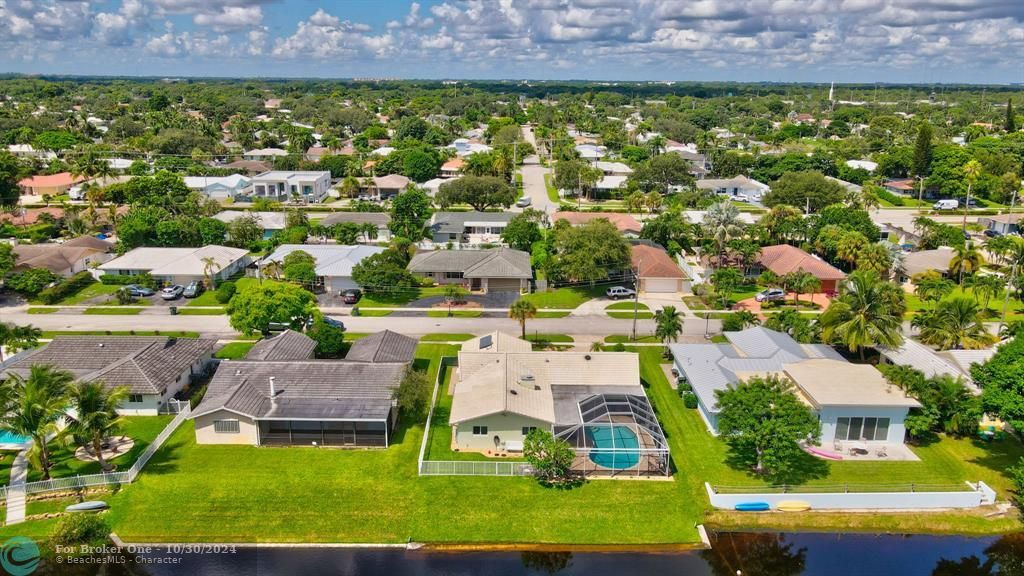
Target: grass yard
(400,297)
(626,339)
(105,311)
(552,191)
(142,429)
(995,305)
(207,298)
(455,313)
(91,291)
(565,298)
(374,313)
(544,314)
(201,311)
(446,337)
(43,310)
(552,338)
(6,459)
(234,350)
(625,310)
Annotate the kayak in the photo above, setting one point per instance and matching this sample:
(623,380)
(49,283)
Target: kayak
(793,506)
(752,507)
(91,506)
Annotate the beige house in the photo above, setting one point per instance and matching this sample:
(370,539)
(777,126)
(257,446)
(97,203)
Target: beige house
(594,401)
(64,259)
(496,269)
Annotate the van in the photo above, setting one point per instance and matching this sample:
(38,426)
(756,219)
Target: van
(946,205)
(76,193)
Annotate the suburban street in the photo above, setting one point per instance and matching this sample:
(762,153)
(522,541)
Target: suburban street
(533,178)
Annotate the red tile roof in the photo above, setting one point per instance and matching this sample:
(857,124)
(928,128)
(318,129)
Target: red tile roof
(654,262)
(783,259)
(48,180)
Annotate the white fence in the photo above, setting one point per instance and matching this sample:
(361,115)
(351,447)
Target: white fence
(854,497)
(473,468)
(126,477)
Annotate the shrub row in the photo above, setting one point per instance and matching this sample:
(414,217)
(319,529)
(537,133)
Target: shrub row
(66,287)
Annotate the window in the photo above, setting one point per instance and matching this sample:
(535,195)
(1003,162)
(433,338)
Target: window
(862,429)
(528,429)
(135,398)
(453,275)
(479,430)
(225,426)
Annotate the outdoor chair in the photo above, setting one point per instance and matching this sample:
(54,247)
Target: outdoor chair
(881,453)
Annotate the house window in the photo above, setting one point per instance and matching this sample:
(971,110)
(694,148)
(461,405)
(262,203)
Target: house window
(225,426)
(528,429)
(453,275)
(856,428)
(479,430)
(135,398)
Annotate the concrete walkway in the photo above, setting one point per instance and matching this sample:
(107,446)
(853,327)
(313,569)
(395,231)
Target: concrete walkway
(16,489)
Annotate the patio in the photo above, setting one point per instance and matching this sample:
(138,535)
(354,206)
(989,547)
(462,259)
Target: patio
(873,452)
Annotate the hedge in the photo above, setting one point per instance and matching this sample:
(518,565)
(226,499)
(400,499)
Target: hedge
(66,287)
(889,197)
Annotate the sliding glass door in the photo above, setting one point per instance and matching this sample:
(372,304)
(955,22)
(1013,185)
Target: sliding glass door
(867,429)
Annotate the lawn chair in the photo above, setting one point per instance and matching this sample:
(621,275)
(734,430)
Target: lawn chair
(881,453)
(837,446)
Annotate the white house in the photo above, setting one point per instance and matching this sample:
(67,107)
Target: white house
(334,262)
(27,151)
(180,265)
(863,165)
(219,187)
(735,186)
(282,185)
(591,151)
(264,154)
(613,168)
(465,147)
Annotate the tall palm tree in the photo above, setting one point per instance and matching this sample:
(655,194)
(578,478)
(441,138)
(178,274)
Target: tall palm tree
(669,324)
(985,287)
(33,407)
(95,417)
(804,283)
(746,318)
(931,286)
(850,247)
(522,310)
(966,260)
(721,224)
(868,312)
(955,323)
(210,269)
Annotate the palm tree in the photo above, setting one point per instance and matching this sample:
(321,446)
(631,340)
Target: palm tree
(656,144)
(596,346)
(669,324)
(210,269)
(875,257)
(746,318)
(653,201)
(985,287)
(33,407)
(804,283)
(522,310)
(868,312)
(966,260)
(955,323)
(16,338)
(722,223)
(96,417)
(635,202)
(972,170)
(850,247)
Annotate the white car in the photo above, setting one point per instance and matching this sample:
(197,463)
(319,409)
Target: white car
(739,198)
(524,202)
(616,292)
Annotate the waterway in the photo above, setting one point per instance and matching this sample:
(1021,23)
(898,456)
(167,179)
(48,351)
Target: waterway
(760,554)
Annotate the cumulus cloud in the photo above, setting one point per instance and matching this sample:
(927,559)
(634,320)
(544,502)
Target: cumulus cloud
(231,18)
(324,35)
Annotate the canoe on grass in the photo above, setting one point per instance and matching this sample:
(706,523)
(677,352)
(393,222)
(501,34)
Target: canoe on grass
(793,506)
(752,507)
(91,506)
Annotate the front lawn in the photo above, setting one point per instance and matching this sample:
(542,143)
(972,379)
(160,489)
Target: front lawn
(234,350)
(446,337)
(995,305)
(399,297)
(142,429)
(246,494)
(201,311)
(43,310)
(207,298)
(91,291)
(443,313)
(110,311)
(625,310)
(564,298)
(551,190)
(546,314)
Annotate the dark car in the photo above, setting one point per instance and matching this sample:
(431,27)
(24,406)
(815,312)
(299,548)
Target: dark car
(138,291)
(351,296)
(329,321)
(992,233)
(193,289)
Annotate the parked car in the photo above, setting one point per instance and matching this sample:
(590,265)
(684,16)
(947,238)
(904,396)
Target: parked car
(351,296)
(524,202)
(739,198)
(172,292)
(946,205)
(770,295)
(137,291)
(992,233)
(329,321)
(193,289)
(616,292)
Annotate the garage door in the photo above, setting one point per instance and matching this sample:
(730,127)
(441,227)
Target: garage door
(661,285)
(338,283)
(503,285)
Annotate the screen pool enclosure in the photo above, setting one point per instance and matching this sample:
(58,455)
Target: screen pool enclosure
(617,435)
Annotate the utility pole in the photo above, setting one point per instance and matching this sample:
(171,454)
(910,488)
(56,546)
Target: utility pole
(1013,272)
(636,294)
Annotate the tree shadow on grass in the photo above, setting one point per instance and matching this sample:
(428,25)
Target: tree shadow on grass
(803,469)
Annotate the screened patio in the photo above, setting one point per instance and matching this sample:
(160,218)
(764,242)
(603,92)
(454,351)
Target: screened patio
(343,433)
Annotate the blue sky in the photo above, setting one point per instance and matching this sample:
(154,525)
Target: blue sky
(925,41)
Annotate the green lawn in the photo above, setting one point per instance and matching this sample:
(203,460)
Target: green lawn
(565,298)
(234,350)
(142,429)
(6,459)
(455,313)
(446,337)
(552,191)
(90,291)
(374,313)
(625,310)
(545,314)
(400,297)
(552,338)
(995,305)
(626,339)
(43,310)
(207,298)
(105,311)
(201,311)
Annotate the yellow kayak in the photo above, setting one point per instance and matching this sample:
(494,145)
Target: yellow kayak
(793,506)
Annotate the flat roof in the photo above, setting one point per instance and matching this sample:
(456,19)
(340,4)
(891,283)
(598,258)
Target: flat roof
(836,383)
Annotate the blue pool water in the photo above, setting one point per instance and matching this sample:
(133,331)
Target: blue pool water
(11,438)
(622,439)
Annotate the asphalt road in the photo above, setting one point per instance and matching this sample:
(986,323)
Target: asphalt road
(533,179)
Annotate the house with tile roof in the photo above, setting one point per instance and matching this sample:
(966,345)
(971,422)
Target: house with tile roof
(495,269)
(502,390)
(278,395)
(49,184)
(180,265)
(783,259)
(624,223)
(334,262)
(152,368)
(657,271)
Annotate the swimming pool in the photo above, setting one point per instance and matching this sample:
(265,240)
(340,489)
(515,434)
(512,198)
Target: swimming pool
(8,438)
(622,439)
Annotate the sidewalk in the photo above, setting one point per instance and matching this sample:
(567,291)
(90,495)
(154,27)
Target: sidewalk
(16,489)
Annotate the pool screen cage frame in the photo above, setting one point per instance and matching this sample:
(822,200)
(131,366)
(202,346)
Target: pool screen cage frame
(602,411)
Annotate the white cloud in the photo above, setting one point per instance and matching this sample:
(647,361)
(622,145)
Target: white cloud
(231,18)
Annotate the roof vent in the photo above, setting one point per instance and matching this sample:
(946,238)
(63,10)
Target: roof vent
(102,344)
(273,389)
(238,372)
(513,392)
(586,357)
(527,378)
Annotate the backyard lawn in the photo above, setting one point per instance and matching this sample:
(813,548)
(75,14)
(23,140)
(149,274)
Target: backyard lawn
(234,350)
(995,305)
(565,298)
(142,429)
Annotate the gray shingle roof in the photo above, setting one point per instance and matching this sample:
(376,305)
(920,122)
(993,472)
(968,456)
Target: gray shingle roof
(493,263)
(455,222)
(288,345)
(386,346)
(324,389)
(144,365)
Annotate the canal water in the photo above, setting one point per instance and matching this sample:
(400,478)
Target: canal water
(760,554)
